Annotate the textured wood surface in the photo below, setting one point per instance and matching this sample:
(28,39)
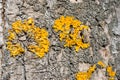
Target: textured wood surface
(103,18)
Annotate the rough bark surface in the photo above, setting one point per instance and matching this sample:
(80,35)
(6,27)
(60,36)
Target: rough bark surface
(103,18)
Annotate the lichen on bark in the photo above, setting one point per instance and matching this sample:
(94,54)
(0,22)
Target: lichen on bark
(102,16)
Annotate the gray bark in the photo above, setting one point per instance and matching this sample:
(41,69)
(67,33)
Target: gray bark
(103,18)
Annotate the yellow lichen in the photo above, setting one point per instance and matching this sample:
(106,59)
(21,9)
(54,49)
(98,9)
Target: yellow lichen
(85,75)
(15,49)
(11,36)
(111,73)
(101,64)
(38,34)
(69,30)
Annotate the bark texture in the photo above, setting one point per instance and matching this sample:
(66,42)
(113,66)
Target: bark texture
(103,18)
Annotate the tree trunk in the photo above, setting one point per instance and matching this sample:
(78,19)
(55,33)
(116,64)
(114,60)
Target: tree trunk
(103,18)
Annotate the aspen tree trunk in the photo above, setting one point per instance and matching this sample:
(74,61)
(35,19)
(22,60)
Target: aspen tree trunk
(103,18)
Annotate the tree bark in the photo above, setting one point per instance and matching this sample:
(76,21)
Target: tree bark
(103,18)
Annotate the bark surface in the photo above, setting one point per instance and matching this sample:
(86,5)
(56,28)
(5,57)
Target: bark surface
(103,18)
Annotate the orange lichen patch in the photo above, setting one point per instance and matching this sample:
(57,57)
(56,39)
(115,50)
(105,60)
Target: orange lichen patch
(111,78)
(82,76)
(101,64)
(38,34)
(69,30)
(16,26)
(11,36)
(37,50)
(86,75)
(111,73)
(15,49)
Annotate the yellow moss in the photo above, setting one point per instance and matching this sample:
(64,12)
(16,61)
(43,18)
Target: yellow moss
(38,34)
(69,30)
